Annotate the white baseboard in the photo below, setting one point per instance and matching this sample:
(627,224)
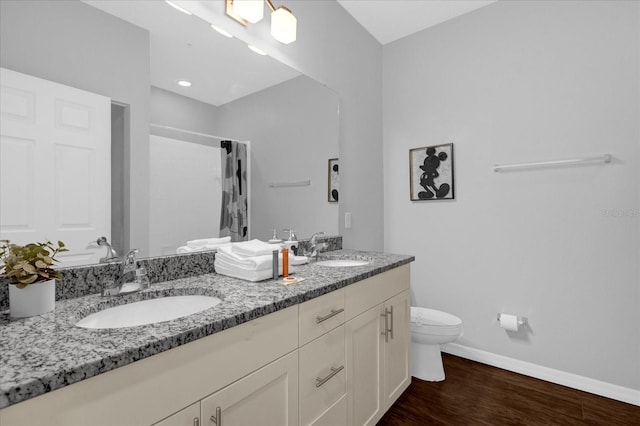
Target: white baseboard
(608,390)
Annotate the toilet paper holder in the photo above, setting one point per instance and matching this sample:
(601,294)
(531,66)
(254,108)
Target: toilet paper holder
(522,321)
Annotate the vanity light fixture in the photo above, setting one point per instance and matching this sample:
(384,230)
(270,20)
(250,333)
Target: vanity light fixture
(221,31)
(184,83)
(175,6)
(249,10)
(283,23)
(255,49)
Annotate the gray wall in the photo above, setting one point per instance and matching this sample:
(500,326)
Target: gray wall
(173,110)
(77,45)
(293,129)
(333,48)
(519,82)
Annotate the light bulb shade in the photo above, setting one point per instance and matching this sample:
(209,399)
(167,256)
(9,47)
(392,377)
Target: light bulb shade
(283,25)
(250,10)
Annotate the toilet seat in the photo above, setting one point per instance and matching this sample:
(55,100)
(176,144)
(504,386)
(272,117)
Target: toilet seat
(425,316)
(433,322)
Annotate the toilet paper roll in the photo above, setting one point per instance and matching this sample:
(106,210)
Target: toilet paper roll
(509,322)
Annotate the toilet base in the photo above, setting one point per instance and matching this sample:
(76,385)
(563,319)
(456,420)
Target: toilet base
(426,362)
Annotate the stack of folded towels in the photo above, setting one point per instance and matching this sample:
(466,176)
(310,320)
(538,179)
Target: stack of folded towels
(204,244)
(248,260)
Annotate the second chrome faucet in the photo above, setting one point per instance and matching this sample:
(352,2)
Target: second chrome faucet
(128,280)
(314,247)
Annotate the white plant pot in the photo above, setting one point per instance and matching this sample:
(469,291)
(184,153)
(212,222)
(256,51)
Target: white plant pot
(34,299)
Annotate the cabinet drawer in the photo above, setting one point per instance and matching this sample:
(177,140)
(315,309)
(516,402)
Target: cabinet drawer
(322,375)
(189,416)
(319,315)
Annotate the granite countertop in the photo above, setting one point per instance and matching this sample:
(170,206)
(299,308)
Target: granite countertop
(48,352)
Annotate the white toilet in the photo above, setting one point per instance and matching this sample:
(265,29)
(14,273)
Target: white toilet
(430,329)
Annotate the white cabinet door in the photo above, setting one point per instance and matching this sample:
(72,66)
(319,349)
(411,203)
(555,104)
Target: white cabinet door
(365,381)
(268,396)
(378,359)
(397,350)
(55,165)
(189,416)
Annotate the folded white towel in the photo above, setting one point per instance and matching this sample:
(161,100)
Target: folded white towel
(216,246)
(256,263)
(185,249)
(254,248)
(253,276)
(208,247)
(208,241)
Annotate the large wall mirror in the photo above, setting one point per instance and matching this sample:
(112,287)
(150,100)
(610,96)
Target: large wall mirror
(289,121)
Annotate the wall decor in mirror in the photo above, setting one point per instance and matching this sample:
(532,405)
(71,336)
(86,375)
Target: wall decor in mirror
(161,137)
(333,180)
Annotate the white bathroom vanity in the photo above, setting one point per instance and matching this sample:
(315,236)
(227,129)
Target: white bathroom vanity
(331,350)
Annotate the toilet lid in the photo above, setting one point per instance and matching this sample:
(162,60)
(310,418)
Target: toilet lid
(426,316)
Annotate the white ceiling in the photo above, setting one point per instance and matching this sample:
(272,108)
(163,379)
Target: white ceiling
(223,69)
(390,20)
(185,47)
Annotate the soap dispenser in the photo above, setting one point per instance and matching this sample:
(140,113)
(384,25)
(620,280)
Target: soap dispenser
(274,239)
(291,243)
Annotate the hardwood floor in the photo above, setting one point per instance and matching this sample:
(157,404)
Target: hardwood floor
(478,394)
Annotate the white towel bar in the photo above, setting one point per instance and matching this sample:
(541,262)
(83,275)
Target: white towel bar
(288,184)
(606,158)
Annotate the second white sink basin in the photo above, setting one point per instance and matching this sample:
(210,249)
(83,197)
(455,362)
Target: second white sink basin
(341,263)
(148,311)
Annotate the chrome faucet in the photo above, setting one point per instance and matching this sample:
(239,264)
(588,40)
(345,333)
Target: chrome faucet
(127,276)
(314,247)
(112,255)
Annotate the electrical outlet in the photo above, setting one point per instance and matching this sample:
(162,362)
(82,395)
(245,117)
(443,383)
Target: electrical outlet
(347,220)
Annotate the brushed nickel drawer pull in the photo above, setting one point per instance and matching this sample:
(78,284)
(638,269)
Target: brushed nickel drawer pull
(391,328)
(332,314)
(196,421)
(385,333)
(334,371)
(217,419)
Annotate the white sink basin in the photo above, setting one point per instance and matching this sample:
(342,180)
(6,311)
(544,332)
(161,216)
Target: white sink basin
(148,311)
(342,263)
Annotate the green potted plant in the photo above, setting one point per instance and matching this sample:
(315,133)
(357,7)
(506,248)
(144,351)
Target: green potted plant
(29,269)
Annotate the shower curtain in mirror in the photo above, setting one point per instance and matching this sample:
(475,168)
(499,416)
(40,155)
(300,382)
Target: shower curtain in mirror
(233,215)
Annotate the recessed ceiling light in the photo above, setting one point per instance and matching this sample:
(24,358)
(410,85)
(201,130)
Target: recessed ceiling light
(175,6)
(255,49)
(221,31)
(184,83)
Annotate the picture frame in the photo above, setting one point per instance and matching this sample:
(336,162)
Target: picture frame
(431,173)
(333,180)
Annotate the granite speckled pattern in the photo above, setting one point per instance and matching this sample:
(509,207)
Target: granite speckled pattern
(44,353)
(90,279)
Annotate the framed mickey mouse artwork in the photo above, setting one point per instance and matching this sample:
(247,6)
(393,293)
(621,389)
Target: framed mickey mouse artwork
(431,173)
